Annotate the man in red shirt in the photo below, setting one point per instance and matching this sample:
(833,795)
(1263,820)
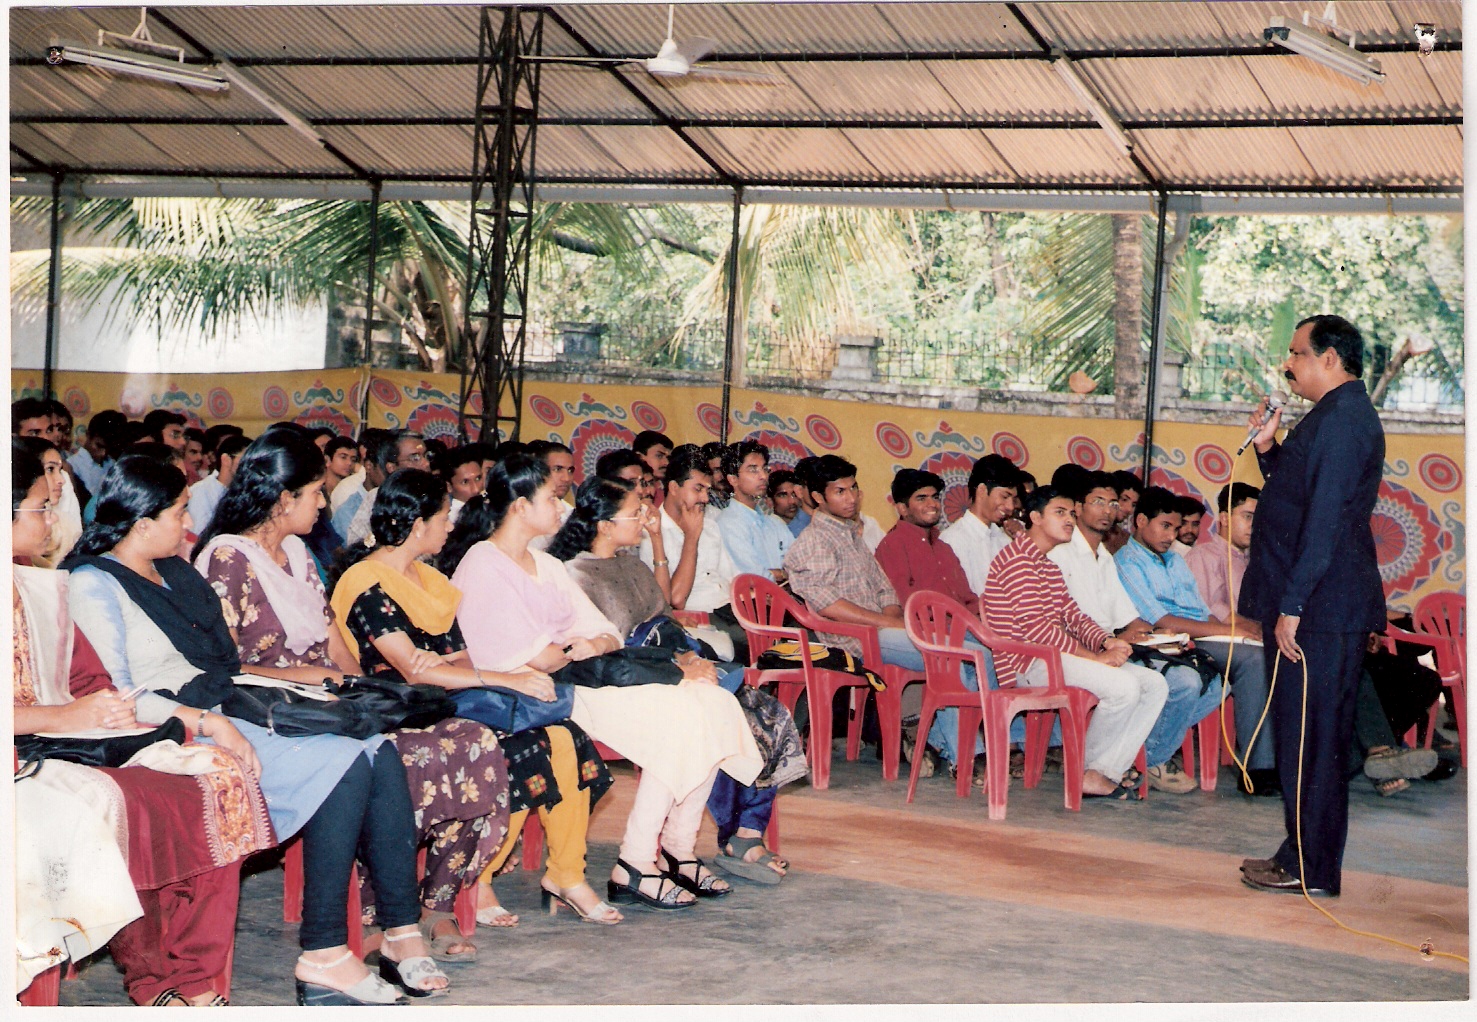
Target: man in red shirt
(1026,599)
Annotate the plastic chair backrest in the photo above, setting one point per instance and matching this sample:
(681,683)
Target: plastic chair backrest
(938,625)
(761,607)
(1445,614)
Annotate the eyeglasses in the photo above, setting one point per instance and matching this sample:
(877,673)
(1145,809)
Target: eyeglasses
(45,509)
(641,516)
(1100,502)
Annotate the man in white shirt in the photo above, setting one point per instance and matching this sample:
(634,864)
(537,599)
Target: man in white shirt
(1092,580)
(559,460)
(398,449)
(207,493)
(976,537)
(756,540)
(701,571)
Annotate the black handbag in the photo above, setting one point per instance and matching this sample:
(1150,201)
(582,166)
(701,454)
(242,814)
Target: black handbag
(365,706)
(511,712)
(95,752)
(622,668)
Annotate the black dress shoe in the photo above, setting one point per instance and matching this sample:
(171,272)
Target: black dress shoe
(1444,770)
(1263,781)
(1258,864)
(1279,880)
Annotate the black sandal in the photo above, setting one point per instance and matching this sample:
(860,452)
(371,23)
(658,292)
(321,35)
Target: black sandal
(702,886)
(630,892)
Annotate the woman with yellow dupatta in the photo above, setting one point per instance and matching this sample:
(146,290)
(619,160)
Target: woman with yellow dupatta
(398,613)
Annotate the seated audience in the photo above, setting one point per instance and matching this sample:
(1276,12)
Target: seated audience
(194,454)
(66,515)
(31,416)
(206,494)
(351,488)
(694,559)
(166,427)
(461,471)
(802,493)
(755,540)
(213,436)
(520,610)
(718,494)
(341,454)
(977,535)
(166,908)
(610,517)
(157,625)
(99,447)
(273,602)
(1163,590)
(784,499)
(1092,581)
(397,613)
(388,451)
(1026,599)
(1191,514)
(1129,488)
(559,460)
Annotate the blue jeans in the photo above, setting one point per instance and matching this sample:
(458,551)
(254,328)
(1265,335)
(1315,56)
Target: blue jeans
(898,649)
(1184,708)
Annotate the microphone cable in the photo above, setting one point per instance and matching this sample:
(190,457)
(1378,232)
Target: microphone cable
(1426,949)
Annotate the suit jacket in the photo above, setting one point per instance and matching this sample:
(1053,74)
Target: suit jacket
(1312,548)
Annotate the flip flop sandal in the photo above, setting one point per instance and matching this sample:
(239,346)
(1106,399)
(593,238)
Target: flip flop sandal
(1125,792)
(732,861)
(1388,764)
(440,943)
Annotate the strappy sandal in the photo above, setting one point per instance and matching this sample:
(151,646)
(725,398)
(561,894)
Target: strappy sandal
(703,884)
(1125,792)
(630,892)
(440,944)
(412,974)
(369,990)
(732,861)
(167,999)
(1390,786)
(603,913)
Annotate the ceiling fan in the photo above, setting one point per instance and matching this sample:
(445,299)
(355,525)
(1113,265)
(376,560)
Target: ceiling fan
(673,60)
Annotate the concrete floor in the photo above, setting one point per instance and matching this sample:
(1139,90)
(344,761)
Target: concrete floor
(933,903)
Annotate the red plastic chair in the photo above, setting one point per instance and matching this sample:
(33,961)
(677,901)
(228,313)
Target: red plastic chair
(1445,615)
(933,622)
(1209,730)
(292,894)
(1392,635)
(45,990)
(1000,705)
(761,608)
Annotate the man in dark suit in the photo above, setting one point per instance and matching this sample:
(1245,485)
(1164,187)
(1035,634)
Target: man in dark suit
(1313,581)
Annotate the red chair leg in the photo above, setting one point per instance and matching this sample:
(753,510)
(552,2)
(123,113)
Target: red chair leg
(1187,751)
(292,881)
(925,722)
(1228,708)
(1209,731)
(1074,734)
(1038,738)
(997,763)
(854,723)
(356,915)
(45,990)
(820,741)
(1456,696)
(533,842)
(969,724)
(890,721)
(1141,764)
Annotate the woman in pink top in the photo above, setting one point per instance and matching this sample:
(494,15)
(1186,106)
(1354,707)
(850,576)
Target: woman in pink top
(521,610)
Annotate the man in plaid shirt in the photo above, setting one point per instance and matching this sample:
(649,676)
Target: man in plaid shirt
(1026,599)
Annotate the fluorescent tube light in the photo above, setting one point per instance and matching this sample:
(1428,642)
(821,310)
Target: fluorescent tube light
(1324,49)
(137,65)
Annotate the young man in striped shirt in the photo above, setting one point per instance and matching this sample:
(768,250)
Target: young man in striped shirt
(1026,599)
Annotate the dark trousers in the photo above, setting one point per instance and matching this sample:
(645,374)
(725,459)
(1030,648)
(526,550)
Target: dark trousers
(367,815)
(734,805)
(1319,799)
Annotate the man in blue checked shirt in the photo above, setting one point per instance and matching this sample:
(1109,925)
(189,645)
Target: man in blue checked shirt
(1163,589)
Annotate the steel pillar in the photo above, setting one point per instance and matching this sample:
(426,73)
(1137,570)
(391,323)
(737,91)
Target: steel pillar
(731,324)
(494,323)
(374,243)
(53,287)
(1156,337)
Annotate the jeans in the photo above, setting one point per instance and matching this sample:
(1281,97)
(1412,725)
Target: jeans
(1249,685)
(1184,708)
(367,814)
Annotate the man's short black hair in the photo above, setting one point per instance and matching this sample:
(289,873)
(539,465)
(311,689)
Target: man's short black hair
(1077,485)
(781,477)
(734,455)
(1233,495)
(383,446)
(27,408)
(215,434)
(1124,480)
(455,458)
(991,471)
(649,438)
(1037,499)
(687,459)
(59,410)
(1156,501)
(1068,478)
(541,449)
(825,470)
(156,420)
(340,443)
(803,468)
(232,444)
(1337,333)
(909,481)
(610,464)
(196,434)
(713,449)
(485,451)
(1191,506)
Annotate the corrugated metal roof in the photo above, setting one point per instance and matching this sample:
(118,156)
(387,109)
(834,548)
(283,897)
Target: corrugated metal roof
(908,93)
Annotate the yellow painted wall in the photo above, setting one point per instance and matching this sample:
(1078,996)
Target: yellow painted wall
(1419,523)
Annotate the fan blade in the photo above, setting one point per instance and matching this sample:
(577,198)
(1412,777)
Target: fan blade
(735,75)
(696,48)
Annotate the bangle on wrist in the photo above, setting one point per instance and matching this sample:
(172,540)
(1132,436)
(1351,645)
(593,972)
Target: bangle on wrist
(200,725)
(480,682)
(659,564)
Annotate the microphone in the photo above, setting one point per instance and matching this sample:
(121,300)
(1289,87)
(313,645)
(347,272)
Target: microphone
(1275,401)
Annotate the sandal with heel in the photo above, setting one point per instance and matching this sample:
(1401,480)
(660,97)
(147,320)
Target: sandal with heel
(603,914)
(411,974)
(370,990)
(700,885)
(630,891)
